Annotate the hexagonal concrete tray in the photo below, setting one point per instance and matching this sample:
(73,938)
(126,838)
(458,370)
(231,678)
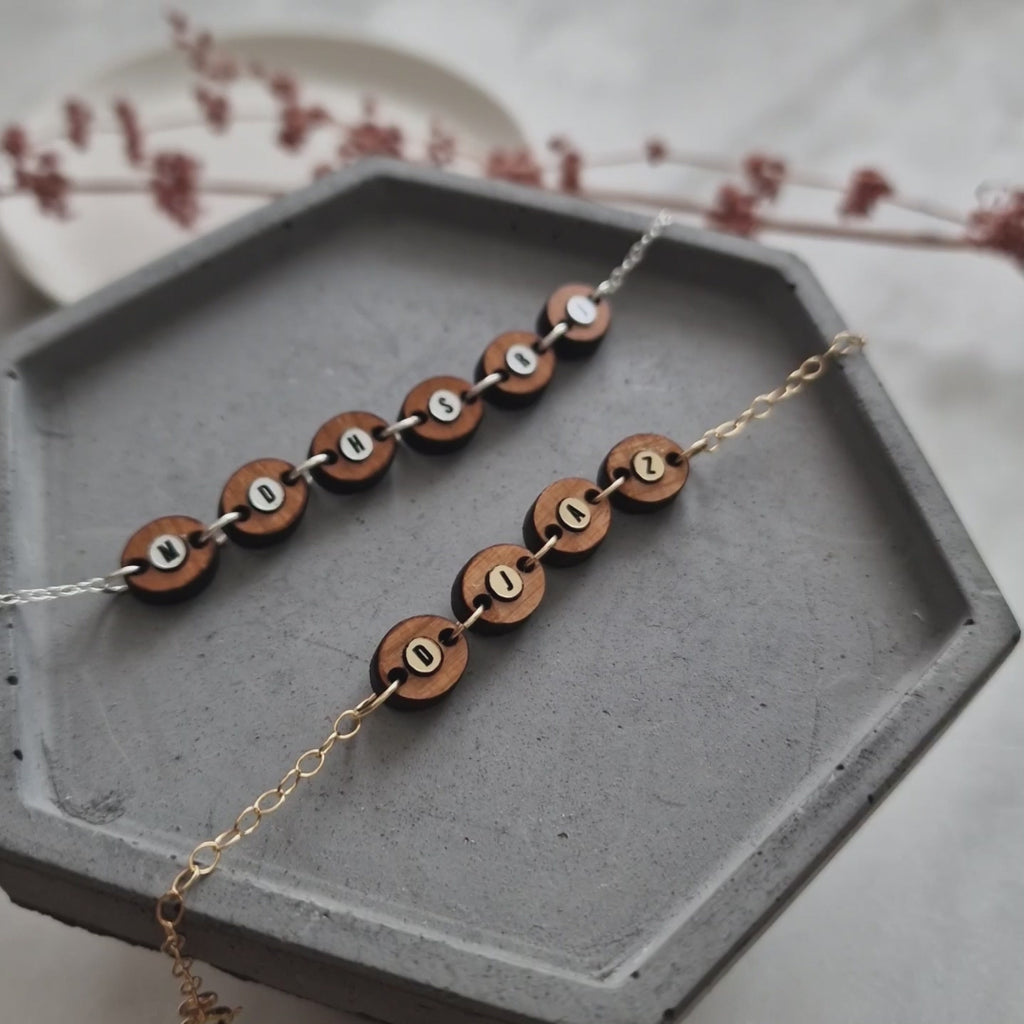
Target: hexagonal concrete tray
(616,797)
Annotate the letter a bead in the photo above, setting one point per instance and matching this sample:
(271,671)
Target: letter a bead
(565,506)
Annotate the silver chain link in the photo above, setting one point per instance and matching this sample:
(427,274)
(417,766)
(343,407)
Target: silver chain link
(97,585)
(484,383)
(613,282)
(396,428)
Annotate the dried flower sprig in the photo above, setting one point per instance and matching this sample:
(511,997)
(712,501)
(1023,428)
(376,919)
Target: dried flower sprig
(744,203)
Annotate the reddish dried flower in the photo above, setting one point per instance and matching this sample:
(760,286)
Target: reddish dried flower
(297,122)
(516,165)
(199,48)
(178,21)
(78,118)
(131,131)
(734,211)
(1000,225)
(570,163)
(371,138)
(203,55)
(655,150)
(47,183)
(215,107)
(866,189)
(765,174)
(322,171)
(15,144)
(440,145)
(174,185)
(284,88)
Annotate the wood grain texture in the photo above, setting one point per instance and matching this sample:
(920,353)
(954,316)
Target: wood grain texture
(501,615)
(161,587)
(344,476)
(260,529)
(581,339)
(573,546)
(418,691)
(432,436)
(636,494)
(516,391)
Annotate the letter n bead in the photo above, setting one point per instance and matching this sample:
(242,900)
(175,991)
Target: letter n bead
(172,564)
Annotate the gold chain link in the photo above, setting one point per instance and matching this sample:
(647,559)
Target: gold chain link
(202,1007)
(843,344)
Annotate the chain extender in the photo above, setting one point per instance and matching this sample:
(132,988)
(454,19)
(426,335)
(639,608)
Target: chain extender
(203,1007)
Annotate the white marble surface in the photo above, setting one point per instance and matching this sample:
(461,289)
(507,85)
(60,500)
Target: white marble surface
(921,916)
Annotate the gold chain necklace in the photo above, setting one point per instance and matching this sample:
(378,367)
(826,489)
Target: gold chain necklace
(421,659)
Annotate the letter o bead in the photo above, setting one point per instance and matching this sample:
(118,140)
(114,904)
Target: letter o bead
(655,469)
(527,372)
(416,653)
(588,320)
(172,566)
(271,506)
(566,506)
(359,458)
(448,421)
(513,592)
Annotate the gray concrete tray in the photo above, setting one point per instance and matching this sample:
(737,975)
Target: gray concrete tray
(618,796)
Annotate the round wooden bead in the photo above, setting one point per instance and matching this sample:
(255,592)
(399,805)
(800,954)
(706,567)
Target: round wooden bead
(566,506)
(271,505)
(359,457)
(172,565)
(588,320)
(448,420)
(419,652)
(527,371)
(512,591)
(655,469)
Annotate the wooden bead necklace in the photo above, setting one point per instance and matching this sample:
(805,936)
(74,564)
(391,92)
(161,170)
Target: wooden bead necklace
(175,557)
(421,659)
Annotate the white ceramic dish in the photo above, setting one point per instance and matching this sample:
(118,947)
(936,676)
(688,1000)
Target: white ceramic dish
(108,236)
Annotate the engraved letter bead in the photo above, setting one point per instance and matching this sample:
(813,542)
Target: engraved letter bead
(564,502)
(422,653)
(506,581)
(172,565)
(588,320)
(527,372)
(655,469)
(359,458)
(271,508)
(448,420)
